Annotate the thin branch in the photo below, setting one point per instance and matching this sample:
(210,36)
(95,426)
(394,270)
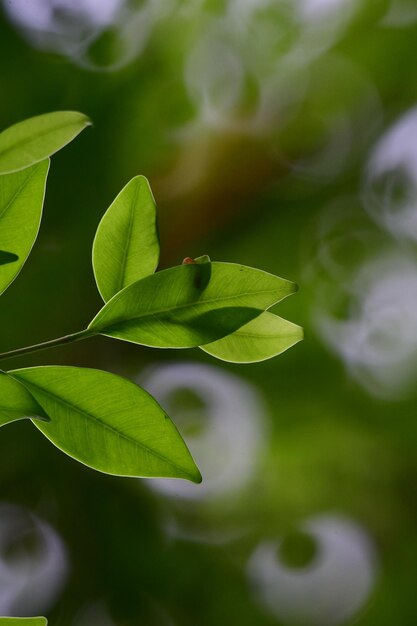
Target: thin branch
(53,343)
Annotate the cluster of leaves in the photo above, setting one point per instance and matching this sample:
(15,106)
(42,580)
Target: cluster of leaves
(101,419)
(98,418)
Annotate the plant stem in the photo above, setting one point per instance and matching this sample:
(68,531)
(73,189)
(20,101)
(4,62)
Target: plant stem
(60,341)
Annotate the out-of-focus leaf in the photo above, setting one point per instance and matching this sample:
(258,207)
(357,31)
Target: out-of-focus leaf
(7,257)
(204,258)
(23,621)
(16,402)
(262,338)
(199,259)
(108,423)
(190,305)
(126,245)
(21,203)
(37,138)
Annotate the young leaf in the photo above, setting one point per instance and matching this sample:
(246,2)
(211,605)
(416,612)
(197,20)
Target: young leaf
(189,305)
(21,203)
(126,245)
(23,621)
(199,259)
(262,338)
(108,423)
(204,258)
(16,402)
(37,138)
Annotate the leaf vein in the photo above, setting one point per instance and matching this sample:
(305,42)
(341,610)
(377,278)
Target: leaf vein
(122,435)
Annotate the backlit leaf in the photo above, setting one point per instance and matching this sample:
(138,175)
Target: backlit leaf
(21,203)
(37,138)
(16,402)
(108,423)
(190,305)
(126,246)
(262,338)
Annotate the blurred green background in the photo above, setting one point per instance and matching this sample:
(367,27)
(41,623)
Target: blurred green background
(280,134)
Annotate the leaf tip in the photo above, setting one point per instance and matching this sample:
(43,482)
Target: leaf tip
(83,116)
(83,121)
(41,418)
(196,477)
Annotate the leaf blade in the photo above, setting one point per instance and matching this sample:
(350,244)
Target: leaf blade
(37,138)
(189,305)
(16,402)
(126,245)
(21,205)
(260,339)
(108,423)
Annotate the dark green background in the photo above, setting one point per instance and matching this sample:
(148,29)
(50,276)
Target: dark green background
(333,447)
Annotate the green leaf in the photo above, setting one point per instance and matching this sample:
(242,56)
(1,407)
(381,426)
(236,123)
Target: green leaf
(204,258)
(37,138)
(262,338)
(16,402)
(23,621)
(108,423)
(126,245)
(7,257)
(189,305)
(21,203)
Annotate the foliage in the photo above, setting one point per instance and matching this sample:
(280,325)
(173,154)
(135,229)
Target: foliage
(98,418)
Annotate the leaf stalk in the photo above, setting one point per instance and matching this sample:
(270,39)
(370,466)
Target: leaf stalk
(53,343)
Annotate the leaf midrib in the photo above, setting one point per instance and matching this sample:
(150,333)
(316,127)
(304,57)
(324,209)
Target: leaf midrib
(184,306)
(34,136)
(122,274)
(18,192)
(104,425)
